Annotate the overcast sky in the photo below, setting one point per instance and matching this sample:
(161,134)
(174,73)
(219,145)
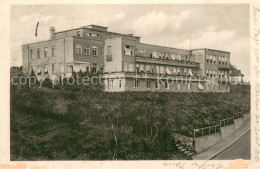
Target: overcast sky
(221,27)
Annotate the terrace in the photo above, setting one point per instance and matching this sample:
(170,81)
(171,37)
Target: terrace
(167,61)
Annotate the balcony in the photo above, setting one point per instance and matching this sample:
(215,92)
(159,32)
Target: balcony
(224,67)
(141,59)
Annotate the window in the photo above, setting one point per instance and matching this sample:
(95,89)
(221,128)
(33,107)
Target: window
(179,86)
(174,69)
(155,55)
(110,83)
(32,69)
(125,66)
(32,54)
(200,87)
(38,53)
(141,51)
(131,67)
(151,54)
(210,58)
(76,67)
(219,60)
(141,68)
(157,85)
(39,69)
(109,50)
(167,69)
(214,73)
(148,84)
(173,57)
(214,59)
(94,51)
(167,85)
(86,50)
(52,68)
(46,69)
(120,83)
(128,50)
(94,68)
(147,68)
(161,69)
(137,84)
(137,68)
(53,51)
(207,71)
(153,69)
(109,54)
(61,67)
(78,49)
(45,52)
(78,33)
(69,68)
(188,86)
(87,68)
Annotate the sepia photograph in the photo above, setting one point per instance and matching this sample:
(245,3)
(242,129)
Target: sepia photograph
(126,82)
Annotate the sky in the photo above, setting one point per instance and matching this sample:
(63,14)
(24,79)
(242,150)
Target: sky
(217,26)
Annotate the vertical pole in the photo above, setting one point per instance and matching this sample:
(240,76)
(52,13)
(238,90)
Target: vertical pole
(194,133)
(209,130)
(202,132)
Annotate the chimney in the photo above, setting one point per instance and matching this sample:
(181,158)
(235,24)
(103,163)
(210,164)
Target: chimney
(52,32)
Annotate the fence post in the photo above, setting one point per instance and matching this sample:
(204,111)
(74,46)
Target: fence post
(194,133)
(215,129)
(209,130)
(202,132)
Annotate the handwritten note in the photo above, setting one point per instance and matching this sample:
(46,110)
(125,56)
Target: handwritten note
(255,37)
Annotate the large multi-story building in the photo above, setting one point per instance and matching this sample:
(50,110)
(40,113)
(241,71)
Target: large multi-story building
(125,63)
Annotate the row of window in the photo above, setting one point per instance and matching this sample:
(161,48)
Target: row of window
(86,50)
(55,68)
(214,73)
(178,86)
(164,55)
(88,34)
(128,67)
(39,53)
(217,59)
(59,68)
(111,84)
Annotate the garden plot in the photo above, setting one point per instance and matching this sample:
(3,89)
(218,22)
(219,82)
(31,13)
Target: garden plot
(40,127)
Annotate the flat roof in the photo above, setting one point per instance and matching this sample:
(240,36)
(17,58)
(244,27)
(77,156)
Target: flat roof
(210,49)
(97,26)
(163,46)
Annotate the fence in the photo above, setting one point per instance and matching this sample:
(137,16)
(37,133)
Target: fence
(216,128)
(206,131)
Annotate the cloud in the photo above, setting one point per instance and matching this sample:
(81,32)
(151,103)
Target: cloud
(158,22)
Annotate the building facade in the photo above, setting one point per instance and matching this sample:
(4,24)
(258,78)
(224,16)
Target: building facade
(126,64)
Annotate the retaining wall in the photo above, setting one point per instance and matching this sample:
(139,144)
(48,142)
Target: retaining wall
(203,143)
(227,130)
(238,122)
